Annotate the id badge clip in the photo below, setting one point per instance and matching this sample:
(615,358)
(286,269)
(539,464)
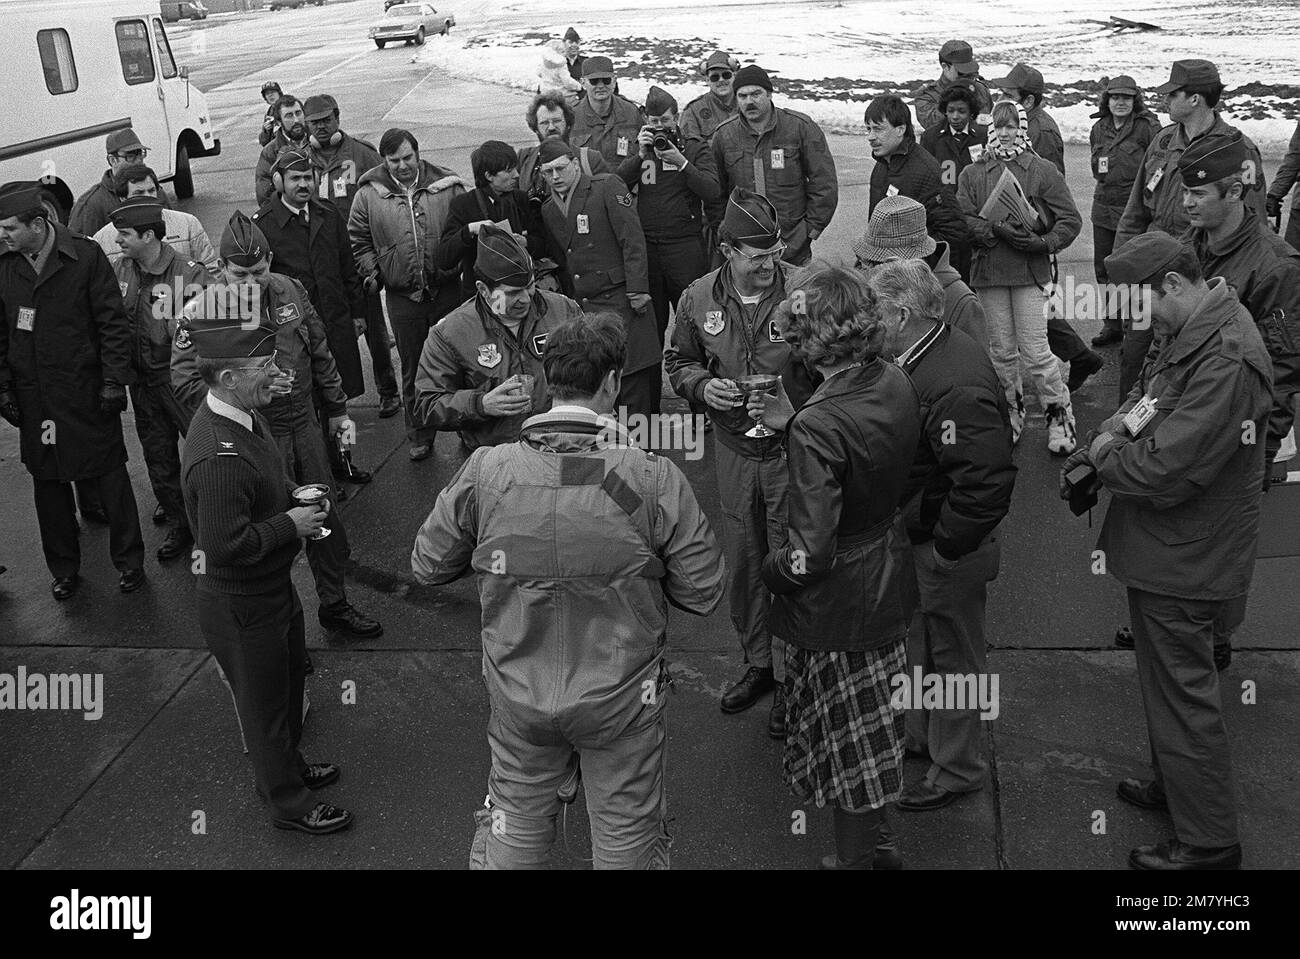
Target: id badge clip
(1140,415)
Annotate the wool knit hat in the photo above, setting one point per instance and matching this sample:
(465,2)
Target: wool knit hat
(751,76)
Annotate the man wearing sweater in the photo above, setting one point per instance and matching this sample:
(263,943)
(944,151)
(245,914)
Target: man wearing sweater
(240,506)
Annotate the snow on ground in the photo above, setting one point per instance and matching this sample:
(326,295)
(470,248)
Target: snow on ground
(827,58)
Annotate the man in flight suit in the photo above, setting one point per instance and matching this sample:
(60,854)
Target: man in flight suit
(603,120)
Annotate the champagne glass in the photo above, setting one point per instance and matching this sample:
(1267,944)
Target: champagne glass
(527,382)
(311,495)
(753,384)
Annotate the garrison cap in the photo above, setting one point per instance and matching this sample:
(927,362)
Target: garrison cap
(659,101)
(1021,77)
(291,159)
(751,219)
(1212,158)
(136,212)
(242,243)
(553,148)
(120,140)
(1145,256)
(597,67)
(502,258)
(19,196)
(319,106)
(960,55)
(223,339)
(1191,73)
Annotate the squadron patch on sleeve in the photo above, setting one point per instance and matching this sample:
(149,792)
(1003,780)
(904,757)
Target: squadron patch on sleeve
(625,199)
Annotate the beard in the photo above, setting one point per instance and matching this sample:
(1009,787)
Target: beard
(296,132)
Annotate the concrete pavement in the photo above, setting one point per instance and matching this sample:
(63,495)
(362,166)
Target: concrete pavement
(124,790)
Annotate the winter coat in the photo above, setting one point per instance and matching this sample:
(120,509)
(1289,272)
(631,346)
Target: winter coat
(713,338)
(790,164)
(579,543)
(470,352)
(531,180)
(613,136)
(1288,172)
(325,268)
(93,209)
(995,262)
(960,485)
(1156,200)
(263,185)
(397,239)
(703,115)
(1183,518)
(154,303)
(961,307)
(1045,137)
(339,170)
(954,151)
(458,248)
(1264,271)
(303,350)
(845,581)
(926,102)
(671,202)
(1123,149)
(80,338)
(185,235)
(912,172)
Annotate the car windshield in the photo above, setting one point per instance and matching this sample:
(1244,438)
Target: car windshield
(404,10)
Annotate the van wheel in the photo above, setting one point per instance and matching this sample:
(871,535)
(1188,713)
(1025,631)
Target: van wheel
(419,37)
(183,181)
(380,43)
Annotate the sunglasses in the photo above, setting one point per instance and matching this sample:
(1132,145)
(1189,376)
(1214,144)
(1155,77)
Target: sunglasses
(720,75)
(773,254)
(599,81)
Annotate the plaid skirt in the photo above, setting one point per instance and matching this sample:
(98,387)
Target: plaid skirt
(843,741)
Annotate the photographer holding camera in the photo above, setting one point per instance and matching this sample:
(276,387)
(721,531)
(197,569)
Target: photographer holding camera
(673,179)
(1183,459)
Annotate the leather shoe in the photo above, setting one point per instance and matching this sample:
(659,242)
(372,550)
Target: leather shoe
(132,579)
(745,693)
(1124,637)
(1180,857)
(1082,367)
(356,476)
(1144,795)
(159,515)
(776,718)
(320,775)
(95,514)
(345,618)
(64,586)
(420,451)
(925,796)
(389,406)
(1108,337)
(321,820)
(177,542)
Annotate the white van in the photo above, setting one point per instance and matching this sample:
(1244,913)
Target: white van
(77,70)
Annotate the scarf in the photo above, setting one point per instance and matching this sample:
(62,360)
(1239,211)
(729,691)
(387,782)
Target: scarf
(1021,143)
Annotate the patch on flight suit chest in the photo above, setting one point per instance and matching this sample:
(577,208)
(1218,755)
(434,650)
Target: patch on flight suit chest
(539,345)
(774,332)
(488,355)
(286,314)
(713,322)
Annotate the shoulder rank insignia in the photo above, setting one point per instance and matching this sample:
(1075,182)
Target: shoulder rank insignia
(713,322)
(488,355)
(286,314)
(625,199)
(227,448)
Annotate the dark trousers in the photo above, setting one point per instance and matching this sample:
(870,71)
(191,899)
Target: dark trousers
(1103,242)
(306,462)
(377,342)
(161,422)
(261,645)
(672,266)
(640,392)
(57,516)
(1064,343)
(411,324)
(1190,756)
(87,496)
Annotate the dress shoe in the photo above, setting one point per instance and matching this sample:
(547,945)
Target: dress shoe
(1124,637)
(345,618)
(320,775)
(1180,857)
(389,406)
(356,476)
(321,820)
(776,718)
(1144,795)
(95,514)
(64,586)
(178,541)
(159,515)
(925,796)
(1108,337)
(745,693)
(1082,367)
(132,579)
(420,451)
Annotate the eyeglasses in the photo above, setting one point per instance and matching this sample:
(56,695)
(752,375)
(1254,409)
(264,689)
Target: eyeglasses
(600,81)
(720,75)
(132,156)
(757,258)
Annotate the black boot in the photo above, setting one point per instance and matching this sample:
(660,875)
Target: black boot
(855,839)
(887,854)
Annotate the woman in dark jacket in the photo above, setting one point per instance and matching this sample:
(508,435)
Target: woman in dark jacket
(843,583)
(1119,141)
(494,199)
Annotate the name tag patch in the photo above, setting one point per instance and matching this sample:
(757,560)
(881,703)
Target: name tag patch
(1155,179)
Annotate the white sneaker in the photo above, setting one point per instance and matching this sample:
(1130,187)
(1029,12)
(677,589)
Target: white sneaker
(1060,430)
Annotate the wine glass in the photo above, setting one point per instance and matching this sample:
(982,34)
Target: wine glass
(753,384)
(311,495)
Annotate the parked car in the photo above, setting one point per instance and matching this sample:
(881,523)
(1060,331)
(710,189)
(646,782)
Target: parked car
(173,11)
(410,22)
(294,4)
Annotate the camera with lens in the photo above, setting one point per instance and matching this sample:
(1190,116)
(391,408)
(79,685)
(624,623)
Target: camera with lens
(667,139)
(1081,485)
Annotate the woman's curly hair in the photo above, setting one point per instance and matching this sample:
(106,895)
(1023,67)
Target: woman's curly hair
(832,315)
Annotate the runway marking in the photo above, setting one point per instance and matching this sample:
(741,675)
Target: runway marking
(432,71)
(261,108)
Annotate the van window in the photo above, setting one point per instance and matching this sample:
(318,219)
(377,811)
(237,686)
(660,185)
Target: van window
(56,61)
(166,62)
(133,49)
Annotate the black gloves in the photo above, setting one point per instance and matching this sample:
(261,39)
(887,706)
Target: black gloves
(1273,205)
(1018,238)
(9,409)
(112,399)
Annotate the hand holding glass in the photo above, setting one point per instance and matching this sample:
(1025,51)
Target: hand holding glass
(751,385)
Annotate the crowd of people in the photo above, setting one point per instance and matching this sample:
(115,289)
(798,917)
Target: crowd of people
(862,485)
